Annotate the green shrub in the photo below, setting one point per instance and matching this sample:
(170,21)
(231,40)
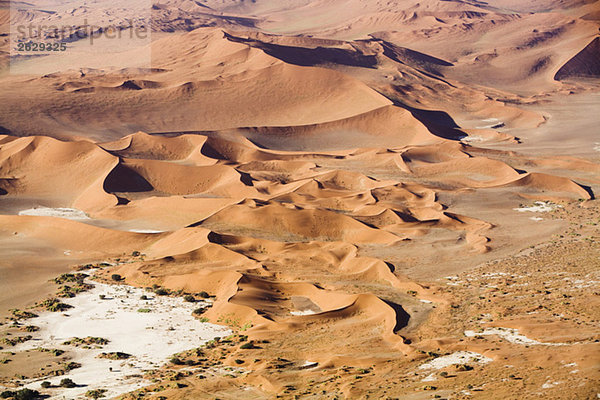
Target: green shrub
(24,394)
(20,314)
(54,305)
(78,278)
(189,298)
(144,310)
(247,345)
(46,384)
(115,355)
(199,311)
(116,277)
(15,340)
(204,295)
(176,360)
(161,292)
(464,367)
(95,394)
(31,328)
(67,383)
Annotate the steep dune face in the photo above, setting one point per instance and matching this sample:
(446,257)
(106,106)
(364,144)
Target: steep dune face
(585,64)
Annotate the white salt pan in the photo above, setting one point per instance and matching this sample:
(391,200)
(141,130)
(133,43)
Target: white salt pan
(511,335)
(305,312)
(67,213)
(460,357)
(539,206)
(151,338)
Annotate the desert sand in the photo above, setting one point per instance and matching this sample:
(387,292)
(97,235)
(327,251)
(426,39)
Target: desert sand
(356,199)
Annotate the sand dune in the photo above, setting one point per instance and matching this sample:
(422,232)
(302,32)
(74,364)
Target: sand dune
(583,64)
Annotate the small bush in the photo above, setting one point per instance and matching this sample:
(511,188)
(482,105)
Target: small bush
(15,340)
(464,367)
(55,352)
(70,366)
(116,277)
(176,361)
(95,394)
(204,295)
(67,383)
(189,298)
(46,384)
(54,305)
(136,254)
(199,311)
(20,314)
(76,278)
(144,310)
(248,345)
(102,296)
(23,394)
(144,297)
(115,355)
(161,292)
(30,328)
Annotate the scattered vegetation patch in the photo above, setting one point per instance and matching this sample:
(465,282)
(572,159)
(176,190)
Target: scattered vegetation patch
(29,328)
(95,394)
(75,278)
(87,342)
(115,355)
(20,314)
(55,352)
(54,305)
(22,394)
(144,310)
(12,341)
(67,291)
